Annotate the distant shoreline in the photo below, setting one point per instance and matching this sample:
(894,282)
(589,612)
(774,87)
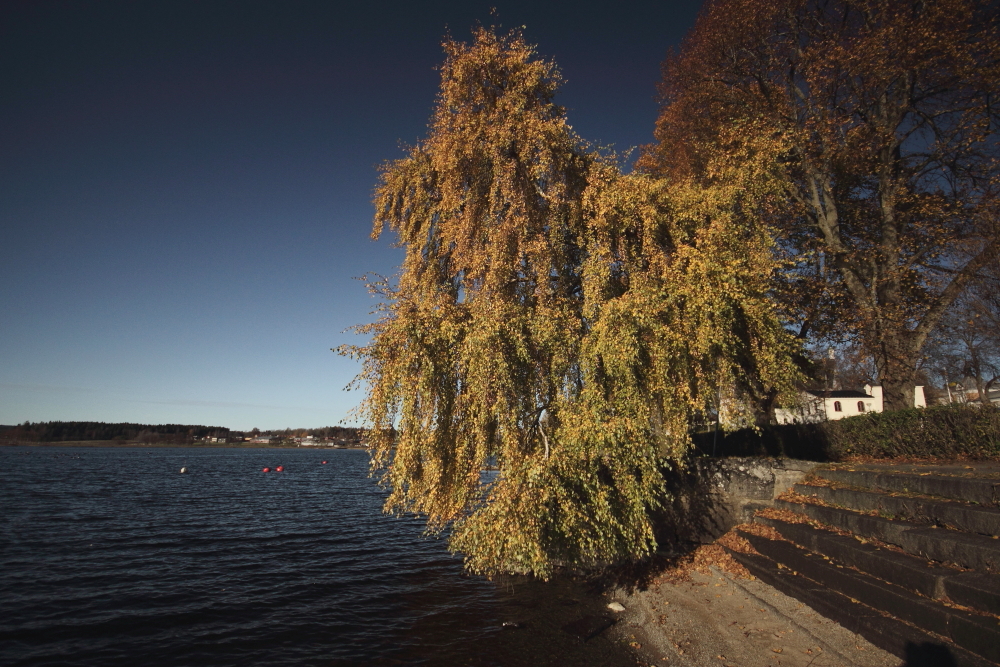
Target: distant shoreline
(197,445)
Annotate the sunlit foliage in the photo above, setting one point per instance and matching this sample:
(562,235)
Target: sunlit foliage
(553,319)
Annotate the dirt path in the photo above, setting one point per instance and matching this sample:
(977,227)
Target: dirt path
(717,619)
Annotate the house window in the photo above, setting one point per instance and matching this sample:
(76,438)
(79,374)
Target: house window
(836,406)
(861,406)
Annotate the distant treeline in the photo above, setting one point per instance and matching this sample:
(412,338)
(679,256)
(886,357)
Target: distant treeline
(80,431)
(153,433)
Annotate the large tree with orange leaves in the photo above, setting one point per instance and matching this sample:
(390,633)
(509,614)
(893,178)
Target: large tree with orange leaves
(879,118)
(553,319)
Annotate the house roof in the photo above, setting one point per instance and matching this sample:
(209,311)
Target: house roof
(840,393)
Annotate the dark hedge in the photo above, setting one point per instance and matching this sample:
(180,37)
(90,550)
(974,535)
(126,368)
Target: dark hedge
(942,432)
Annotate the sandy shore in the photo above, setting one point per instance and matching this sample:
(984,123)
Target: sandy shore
(714,618)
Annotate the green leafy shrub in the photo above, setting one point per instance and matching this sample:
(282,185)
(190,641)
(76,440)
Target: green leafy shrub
(936,432)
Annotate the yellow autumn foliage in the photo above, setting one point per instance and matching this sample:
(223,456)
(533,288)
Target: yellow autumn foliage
(555,324)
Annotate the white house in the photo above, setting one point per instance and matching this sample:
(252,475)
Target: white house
(966,391)
(818,406)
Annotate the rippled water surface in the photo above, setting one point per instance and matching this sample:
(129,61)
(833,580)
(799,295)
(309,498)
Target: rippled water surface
(109,556)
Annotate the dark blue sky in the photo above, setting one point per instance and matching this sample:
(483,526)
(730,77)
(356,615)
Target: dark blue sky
(185,187)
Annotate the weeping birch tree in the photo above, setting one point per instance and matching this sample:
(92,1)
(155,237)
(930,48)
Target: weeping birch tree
(553,320)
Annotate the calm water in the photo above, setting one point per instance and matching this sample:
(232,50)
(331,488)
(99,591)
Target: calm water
(109,556)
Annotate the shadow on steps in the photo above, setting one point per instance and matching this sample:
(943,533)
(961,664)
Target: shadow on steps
(928,655)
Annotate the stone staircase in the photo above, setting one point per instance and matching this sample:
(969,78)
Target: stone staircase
(906,556)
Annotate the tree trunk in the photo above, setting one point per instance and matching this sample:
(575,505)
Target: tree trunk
(897,395)
(764,409)
(896,374)
(983,390)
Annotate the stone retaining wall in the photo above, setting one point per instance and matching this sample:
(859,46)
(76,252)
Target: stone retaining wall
(712,495)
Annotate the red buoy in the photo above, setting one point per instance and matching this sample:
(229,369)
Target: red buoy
(267,470)
(279,468)
(324,462)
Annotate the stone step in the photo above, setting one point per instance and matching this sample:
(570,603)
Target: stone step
(980,490)
(916,646)
(977,590)
(950,513)
(975,633)
(976,552)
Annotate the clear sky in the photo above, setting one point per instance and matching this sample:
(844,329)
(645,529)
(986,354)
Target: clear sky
(185,187)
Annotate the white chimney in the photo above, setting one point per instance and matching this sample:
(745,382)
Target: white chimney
(875,391)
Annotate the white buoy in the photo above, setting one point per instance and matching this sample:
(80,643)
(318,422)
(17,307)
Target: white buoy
(184,469)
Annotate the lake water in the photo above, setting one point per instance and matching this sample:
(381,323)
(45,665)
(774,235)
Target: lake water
(109,556)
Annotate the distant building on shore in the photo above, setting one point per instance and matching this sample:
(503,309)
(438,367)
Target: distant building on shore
(966,391)
(833,404)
